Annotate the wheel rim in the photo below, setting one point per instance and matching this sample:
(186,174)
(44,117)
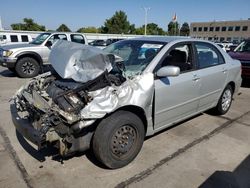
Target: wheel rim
(123,140)
(226,100)
(28,68)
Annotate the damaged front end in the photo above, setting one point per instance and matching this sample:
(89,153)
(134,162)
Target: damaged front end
(61,108)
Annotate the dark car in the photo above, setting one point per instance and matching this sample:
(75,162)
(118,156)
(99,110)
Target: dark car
(242,53)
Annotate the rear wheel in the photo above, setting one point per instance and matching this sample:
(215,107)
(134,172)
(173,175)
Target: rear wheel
(27,67)
(225,101)
(118,139)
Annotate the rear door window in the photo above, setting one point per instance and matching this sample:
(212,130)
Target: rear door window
(13,38)
(208,55)
(77,38)
(24,38)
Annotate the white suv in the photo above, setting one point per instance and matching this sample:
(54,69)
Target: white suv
(26,60)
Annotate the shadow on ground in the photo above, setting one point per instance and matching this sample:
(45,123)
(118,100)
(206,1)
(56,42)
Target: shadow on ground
(52,151)
(7,73)
(239,178)
(245,83)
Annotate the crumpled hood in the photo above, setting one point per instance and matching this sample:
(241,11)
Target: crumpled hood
(78,62)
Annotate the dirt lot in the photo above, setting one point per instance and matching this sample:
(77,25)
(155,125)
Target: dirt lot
(205,150)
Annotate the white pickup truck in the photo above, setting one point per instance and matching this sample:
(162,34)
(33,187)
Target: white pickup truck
(26,60)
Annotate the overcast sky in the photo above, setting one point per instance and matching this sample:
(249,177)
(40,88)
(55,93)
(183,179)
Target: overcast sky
(81,13)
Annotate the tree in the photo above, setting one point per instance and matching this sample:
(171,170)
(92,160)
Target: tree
(154,29)
(117,24)
(185,30)
(173,28)
(88,30)
(28,25)
(63,28)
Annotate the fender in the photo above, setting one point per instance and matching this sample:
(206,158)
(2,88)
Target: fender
(32,54)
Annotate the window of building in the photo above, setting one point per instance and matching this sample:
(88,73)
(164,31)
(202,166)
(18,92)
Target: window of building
(224,29)
(231,28)
(229,39)
(237,28)
(217,29)
(205,28)
(194,29)
(210,38)
(24,38)
(13,38)
(211,29)
(77,38)
(245,28)
(200,29)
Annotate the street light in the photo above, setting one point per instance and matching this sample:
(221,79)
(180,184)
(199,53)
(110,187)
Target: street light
(146,9)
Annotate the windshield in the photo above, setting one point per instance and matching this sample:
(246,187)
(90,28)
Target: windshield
(41,38)
(243,47)
(136,54)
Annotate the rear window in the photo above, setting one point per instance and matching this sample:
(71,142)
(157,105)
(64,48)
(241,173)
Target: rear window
(24,38)
(77,38)
(13,38)
(3,37)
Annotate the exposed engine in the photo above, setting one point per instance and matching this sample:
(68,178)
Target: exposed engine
(53,105)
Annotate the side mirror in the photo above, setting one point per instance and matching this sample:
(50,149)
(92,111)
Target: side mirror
(168,71)
(48,43)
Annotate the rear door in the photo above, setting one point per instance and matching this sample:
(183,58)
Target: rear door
(177,97)
(212,72)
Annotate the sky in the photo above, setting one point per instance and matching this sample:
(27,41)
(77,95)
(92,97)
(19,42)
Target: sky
(80,13)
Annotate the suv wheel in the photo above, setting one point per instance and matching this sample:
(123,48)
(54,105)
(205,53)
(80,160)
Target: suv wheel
(118,139)
(27,67)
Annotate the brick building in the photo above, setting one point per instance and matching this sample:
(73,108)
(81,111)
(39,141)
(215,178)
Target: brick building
(231,31)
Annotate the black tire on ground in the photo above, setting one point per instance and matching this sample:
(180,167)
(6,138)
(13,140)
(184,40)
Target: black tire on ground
(225,101)
(12,69)
(27,67)
(118,139)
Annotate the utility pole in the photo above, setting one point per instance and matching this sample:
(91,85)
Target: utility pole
(1,27)
(146,9)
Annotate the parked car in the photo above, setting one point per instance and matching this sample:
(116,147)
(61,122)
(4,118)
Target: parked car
(225,45)
(242,53)
(98,43)
(26,60)
(14,38)
(110,99)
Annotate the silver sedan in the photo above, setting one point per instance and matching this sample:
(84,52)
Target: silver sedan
(110,99)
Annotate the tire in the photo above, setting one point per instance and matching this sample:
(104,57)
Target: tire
(225,101)
(118,139)
(27,67)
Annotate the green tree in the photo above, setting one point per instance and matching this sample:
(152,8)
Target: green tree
(185,30)
(28,25)
(154,29)
(117,24)
(63,28)
(88,30)
(173,28)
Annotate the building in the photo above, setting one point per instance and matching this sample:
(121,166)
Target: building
(230,31)
(1,27)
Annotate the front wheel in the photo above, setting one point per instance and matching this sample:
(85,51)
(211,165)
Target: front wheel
(225,101)
(27,67)
(118,139)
